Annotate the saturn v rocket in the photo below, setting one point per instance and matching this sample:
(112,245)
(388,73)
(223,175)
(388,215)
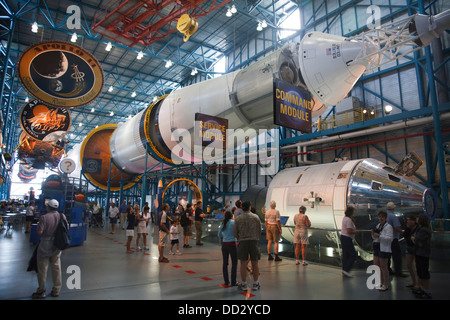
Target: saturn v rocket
(326,66)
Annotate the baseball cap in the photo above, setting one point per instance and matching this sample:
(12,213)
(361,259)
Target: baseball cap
(52,203)
(390,205)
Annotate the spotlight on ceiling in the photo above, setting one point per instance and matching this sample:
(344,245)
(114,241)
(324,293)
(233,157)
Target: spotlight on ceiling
(388,109)
(34,27)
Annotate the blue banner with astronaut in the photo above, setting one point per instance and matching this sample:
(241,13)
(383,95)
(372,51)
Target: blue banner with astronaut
(291,106)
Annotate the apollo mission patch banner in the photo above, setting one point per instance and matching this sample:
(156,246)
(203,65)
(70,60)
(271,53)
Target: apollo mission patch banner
(61,74)
(43,122)
(291,106)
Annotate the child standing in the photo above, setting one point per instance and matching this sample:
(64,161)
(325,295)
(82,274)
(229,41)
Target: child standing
(174,237)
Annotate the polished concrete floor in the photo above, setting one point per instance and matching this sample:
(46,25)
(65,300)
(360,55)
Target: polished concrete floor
(107,272)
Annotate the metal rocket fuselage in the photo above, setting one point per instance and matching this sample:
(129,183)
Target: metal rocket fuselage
(327,189)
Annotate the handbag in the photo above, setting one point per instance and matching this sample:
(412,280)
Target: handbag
(62,234)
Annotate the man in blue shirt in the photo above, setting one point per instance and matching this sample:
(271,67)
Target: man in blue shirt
(123,213)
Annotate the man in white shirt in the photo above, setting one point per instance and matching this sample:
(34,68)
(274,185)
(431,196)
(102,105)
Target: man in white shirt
(273,229)
(113,216)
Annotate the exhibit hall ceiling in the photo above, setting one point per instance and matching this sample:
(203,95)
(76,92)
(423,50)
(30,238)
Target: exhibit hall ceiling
(142,54)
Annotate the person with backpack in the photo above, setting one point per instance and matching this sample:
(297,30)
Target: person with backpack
(47,252)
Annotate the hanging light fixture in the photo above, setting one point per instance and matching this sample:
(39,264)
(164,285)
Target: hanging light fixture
(140,55)
(259,28)
(169,63)
(34,27)
(388,109)
(108,46)
(133,94)
(74,37)
(233,9)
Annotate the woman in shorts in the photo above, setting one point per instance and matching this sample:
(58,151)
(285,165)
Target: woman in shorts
(131,220)
(301,222)
(382,235)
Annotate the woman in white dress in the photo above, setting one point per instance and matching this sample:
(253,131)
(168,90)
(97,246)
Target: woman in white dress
(143,219)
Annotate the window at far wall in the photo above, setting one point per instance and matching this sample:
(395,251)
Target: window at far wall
(291,24)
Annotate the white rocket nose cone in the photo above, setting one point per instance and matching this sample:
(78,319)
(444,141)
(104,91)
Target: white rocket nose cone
(327,64)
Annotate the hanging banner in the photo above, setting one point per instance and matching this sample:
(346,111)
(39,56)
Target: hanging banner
(61,74)
(43,122)
(291,106)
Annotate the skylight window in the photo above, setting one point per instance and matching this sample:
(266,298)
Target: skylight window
(291,24)
(219,67)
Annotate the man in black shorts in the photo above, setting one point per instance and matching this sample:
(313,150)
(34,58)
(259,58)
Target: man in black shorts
(247,230)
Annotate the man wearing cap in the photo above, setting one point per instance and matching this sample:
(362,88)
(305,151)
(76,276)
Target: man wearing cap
(395,246)
(47,252)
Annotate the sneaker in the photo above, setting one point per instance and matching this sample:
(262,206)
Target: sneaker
(178,252)
(138,249)
(270,256)
(277,258)
(38,295)
(347,274)
(382,288)
(423,295)
(256,286)
(170,252)
(242,286)
(305,263)
(146,249)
